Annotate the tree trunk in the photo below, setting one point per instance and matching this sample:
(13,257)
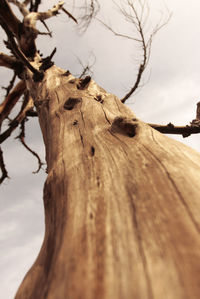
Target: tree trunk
(122,202)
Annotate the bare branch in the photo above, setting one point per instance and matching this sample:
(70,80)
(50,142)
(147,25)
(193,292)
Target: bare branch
(21,6)
(86,68)
(18,53)
(8,16)
(21,137)
(118,34)
(8,61)
(70,15)
(136,84)
(10,101)
(34,6)
(4,173)
(139,20)
(26,106)
(185,131)
(11,84)
(89,13)
(137,13)
(47,28)
(31,19)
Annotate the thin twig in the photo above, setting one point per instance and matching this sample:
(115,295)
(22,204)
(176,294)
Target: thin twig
(70,15)
(4,173)
(87,67)
(137,13)
(26,106)
(10,101)
(118,34)
(11,84)
(47,28)
(89,13)
(21,137)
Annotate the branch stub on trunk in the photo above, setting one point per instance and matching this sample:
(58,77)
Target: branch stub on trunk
(124,126)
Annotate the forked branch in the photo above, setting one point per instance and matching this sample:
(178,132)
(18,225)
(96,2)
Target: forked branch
(89,11)
(26,106)
(138,14)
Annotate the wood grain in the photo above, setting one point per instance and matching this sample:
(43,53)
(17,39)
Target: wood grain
(122,212)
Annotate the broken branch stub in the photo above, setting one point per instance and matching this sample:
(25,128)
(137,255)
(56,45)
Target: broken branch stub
(124,126)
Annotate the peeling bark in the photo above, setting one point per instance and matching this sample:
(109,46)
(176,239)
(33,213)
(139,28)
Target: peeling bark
(122,209)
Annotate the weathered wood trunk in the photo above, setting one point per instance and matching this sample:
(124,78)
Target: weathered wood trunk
(122,201)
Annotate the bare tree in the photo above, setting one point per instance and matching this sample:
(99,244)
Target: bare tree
(121,200)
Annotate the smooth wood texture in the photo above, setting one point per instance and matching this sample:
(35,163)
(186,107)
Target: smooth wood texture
(122,210)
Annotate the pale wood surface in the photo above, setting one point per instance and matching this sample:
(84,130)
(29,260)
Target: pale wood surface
(122,213)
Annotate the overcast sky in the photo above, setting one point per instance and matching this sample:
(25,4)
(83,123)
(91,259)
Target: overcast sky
(170,95)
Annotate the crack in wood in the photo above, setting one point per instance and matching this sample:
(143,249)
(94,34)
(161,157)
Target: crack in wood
(81,112)
(115,136)
(57,97)
(105,115)
(81,136)
(117,104)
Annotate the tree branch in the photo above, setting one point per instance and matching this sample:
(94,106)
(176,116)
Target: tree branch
(21,6)
(31,19)
(137,13)
(8,61)
(35,5)
(10,101)
(118,34)
(70,15)
(8,16)
(18,53)
(139,20)
(4,173)
(90,11)
(21,137)
(11,84)
(185,131)
(26,106)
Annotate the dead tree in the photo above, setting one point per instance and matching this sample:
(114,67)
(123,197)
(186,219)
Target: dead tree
(121,199)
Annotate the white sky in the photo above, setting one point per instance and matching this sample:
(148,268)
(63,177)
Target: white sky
(170,95)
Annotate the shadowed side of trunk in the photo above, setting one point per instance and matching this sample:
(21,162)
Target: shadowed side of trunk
(121,201)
